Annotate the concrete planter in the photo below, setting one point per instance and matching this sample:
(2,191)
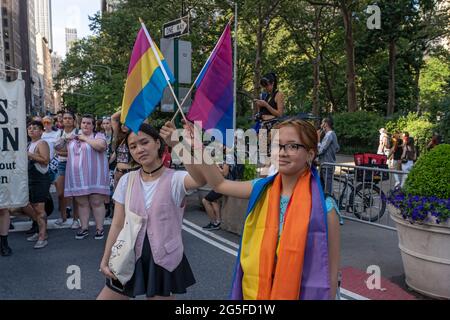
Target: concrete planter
(425,250)
(233,214)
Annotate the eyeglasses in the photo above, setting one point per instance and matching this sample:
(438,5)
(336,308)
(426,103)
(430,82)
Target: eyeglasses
(290,148)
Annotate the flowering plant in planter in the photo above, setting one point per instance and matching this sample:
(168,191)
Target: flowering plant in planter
(426,195)
(419,208)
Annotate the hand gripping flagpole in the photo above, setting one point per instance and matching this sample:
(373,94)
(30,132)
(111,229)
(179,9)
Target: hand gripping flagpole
(155,52)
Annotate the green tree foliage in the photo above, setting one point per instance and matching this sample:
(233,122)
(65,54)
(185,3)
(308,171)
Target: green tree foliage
(304,42)
(418,126)
(358,131)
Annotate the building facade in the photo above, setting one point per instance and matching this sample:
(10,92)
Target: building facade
(19,43)
(71,37)
(110,5)
(45,74)
(43,18)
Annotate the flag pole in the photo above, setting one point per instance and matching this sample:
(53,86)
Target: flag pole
(193,85)
(149,38)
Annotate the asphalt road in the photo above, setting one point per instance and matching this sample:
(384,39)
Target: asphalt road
(31,274)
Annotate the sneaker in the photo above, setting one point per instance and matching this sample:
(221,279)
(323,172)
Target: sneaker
(75,225)
(5,250)
(11,226)
(82,234)
(35,237)
(208,226)
(212,226)
(41,244)
(99,234)
(61,223)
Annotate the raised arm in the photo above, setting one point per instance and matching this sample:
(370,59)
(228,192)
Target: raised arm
(208,173)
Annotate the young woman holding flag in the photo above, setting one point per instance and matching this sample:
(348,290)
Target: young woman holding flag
(291,242)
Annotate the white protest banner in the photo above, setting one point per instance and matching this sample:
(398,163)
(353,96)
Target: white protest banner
(13,145)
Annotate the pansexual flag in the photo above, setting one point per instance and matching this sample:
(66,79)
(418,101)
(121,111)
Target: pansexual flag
(146,81)
(213,101)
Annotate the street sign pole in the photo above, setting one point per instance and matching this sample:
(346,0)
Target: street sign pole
(176,61)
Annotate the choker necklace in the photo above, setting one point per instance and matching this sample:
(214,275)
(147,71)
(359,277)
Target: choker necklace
(151,173)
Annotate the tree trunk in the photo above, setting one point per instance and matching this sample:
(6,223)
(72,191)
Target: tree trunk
(316,64)
(329,88)
(259,48)
(350,53)
(417,89)
(392,62)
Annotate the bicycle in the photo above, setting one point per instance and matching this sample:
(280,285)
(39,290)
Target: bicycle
(360,194)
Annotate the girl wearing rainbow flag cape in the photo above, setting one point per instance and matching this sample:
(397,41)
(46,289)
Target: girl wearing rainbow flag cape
(290,244)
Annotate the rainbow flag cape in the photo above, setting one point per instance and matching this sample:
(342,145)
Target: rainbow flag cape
(148,76)
(301,270)
(213,101)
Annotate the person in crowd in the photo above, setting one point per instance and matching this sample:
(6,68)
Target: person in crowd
(5,250)
(396,155)
(121,158)
(291,244)
(405,138)
(328,148)
(158,194)
(38,182)
(435,140)
(68,133)
(87,178)
(106,129)
(409,156)
(383,144)
(270,107)
(59,124)
(212,205)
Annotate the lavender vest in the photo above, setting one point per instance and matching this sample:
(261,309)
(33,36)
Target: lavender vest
(162,224)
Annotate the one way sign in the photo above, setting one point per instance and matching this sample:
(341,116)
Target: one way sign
(176,28)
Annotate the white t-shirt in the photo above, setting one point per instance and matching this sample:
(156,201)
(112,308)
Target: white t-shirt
(177,189)
(51,138)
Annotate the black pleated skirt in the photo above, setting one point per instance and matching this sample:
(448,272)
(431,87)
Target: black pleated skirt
(151,280)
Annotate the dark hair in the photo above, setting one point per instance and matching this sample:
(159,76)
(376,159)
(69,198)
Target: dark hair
(89,116)
(152,132)
(69,112)
(328,121)
(37,124)
(269,78)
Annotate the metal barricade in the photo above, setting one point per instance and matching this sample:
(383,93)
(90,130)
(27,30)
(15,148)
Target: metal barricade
(361,191)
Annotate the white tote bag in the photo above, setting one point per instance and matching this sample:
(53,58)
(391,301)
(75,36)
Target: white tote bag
(123,258)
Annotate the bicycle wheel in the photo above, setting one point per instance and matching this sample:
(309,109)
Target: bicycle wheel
(368,202)
(340,192)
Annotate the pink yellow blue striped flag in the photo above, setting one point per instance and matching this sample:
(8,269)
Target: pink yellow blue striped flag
(146,81)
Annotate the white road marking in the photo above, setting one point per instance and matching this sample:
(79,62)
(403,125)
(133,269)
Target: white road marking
(348,294)
(211,242)
(211,234)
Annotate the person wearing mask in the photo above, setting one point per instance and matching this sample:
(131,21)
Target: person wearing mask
(87,178)
(290,247)
(38,182)
(158,195)
(328,148)
(68,133)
